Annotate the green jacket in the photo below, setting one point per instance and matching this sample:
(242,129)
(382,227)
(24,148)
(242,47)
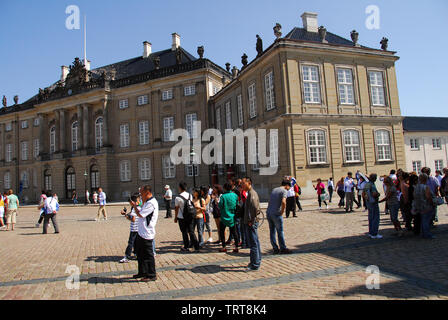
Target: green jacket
(227,206)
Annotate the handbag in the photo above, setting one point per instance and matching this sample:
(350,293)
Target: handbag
(438,201)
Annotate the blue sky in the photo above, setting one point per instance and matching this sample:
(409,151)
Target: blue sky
(35,42)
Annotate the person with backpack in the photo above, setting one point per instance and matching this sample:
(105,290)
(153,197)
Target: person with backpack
(227,208)
(43,197)
(185,212)
(50,206)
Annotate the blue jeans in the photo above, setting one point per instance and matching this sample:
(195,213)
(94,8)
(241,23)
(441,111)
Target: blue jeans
(374,218)
(254,245)
(199,224)
(426,224)
(276,225)
(394,212)
(244,236)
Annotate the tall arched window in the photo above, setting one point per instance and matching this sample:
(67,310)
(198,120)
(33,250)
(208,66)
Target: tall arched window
(24,179)
(52,139)
(317,146)
(99,133)
(352,149)
(70,181)
(75,136)
(94,177)
(47,180)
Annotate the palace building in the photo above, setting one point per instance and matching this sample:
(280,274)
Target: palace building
(334,103)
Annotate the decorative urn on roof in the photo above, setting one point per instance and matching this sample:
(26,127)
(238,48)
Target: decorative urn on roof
(4,102)
(244,60)
(354,35)
(278,30)
(16,99)
(323,33)
(201,52)
(384,43)
(228,66)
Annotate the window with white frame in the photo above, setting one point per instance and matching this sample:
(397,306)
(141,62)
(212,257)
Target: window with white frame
(36,122)
(98,133)
(25,179)
(239,103)
(438,164)
(317,146)
(417,166)
(345,86)
(52,139)
(167,94)
(169,170)
(24,124)
(190,125)
(7,180)
(190,90)
(218,118)
(75,132)
(8,152)
(436,143)
(124,135)
(383,145)
(24,148)
(36,146)
(216,89)
(376,80)
(228,111)
(269,90)
(414,144)
(168,127)
(352,148)
(145,169)
(123,103)
(143,132)
(311,84)
(141,100)
(125,170)
(8,126)
(273,150)
(252,101)
(189,170)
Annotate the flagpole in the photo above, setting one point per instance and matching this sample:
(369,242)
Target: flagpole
(85,50)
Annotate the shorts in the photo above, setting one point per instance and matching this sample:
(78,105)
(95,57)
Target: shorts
(11,216)
(2,212)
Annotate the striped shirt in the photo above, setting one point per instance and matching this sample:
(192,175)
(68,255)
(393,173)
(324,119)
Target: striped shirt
(134,225)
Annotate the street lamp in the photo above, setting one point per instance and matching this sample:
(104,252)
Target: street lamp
(85,186)
(192,154)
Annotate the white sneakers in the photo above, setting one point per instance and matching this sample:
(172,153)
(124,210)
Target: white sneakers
(328,207)
(37,225)
(210,239)
(124,260)
(378,236)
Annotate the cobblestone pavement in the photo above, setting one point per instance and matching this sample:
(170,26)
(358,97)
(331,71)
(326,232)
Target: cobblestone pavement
(330,254)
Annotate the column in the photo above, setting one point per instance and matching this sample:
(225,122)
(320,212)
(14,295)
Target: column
(57,127)
(62,131)
(42,134)
(2,149)
(85,125)
(105,124)
(80,127)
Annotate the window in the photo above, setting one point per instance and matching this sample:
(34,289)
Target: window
(124,103)
(125,170)
(317,146)
(24,148)
(168,127)
(228,115)
(141,100)
(8,154)
(94,177)
(242,167)
(239,102)
(53,139)
(99,133)
(36,122)
(47,180)
(190,90)
(417,166)
(25,179)
(75,136)
(252,101)
(124,135)
(377,88)
(36,147)
(269,90)
(345,86)
(352,147)
(438,165)
(216,89)
(71,181)
(256,159)
(273,150)
(218,118)
(189,170)
(167,94)
(24,124)
(190,125)
(145,169)
(383,147)
(143,130)
(414,144)
(8,126)
(168,168)
(7,180)
(436,143)
(311,84)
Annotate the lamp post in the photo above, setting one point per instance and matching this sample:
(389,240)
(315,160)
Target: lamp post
(85,186)
(192,154)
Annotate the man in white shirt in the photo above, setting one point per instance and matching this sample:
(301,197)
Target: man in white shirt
(349,186)
(102,203)
(87,197)
(186,226)
(50,209)
(167,198)
(148,214)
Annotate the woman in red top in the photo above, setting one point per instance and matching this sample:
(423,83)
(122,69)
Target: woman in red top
(320,187)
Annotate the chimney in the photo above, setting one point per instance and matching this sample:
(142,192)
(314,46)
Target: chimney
(176,41)
(147,49)
(309,20)
(64,73)
(88,65)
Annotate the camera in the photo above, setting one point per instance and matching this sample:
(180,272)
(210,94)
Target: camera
(125,210)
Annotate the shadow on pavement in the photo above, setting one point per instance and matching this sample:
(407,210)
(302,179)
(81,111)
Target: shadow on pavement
(104,258)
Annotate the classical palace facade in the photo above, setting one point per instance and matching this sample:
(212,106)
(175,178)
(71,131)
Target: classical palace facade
(334,103)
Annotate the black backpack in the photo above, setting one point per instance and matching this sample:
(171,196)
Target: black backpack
(189,211)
